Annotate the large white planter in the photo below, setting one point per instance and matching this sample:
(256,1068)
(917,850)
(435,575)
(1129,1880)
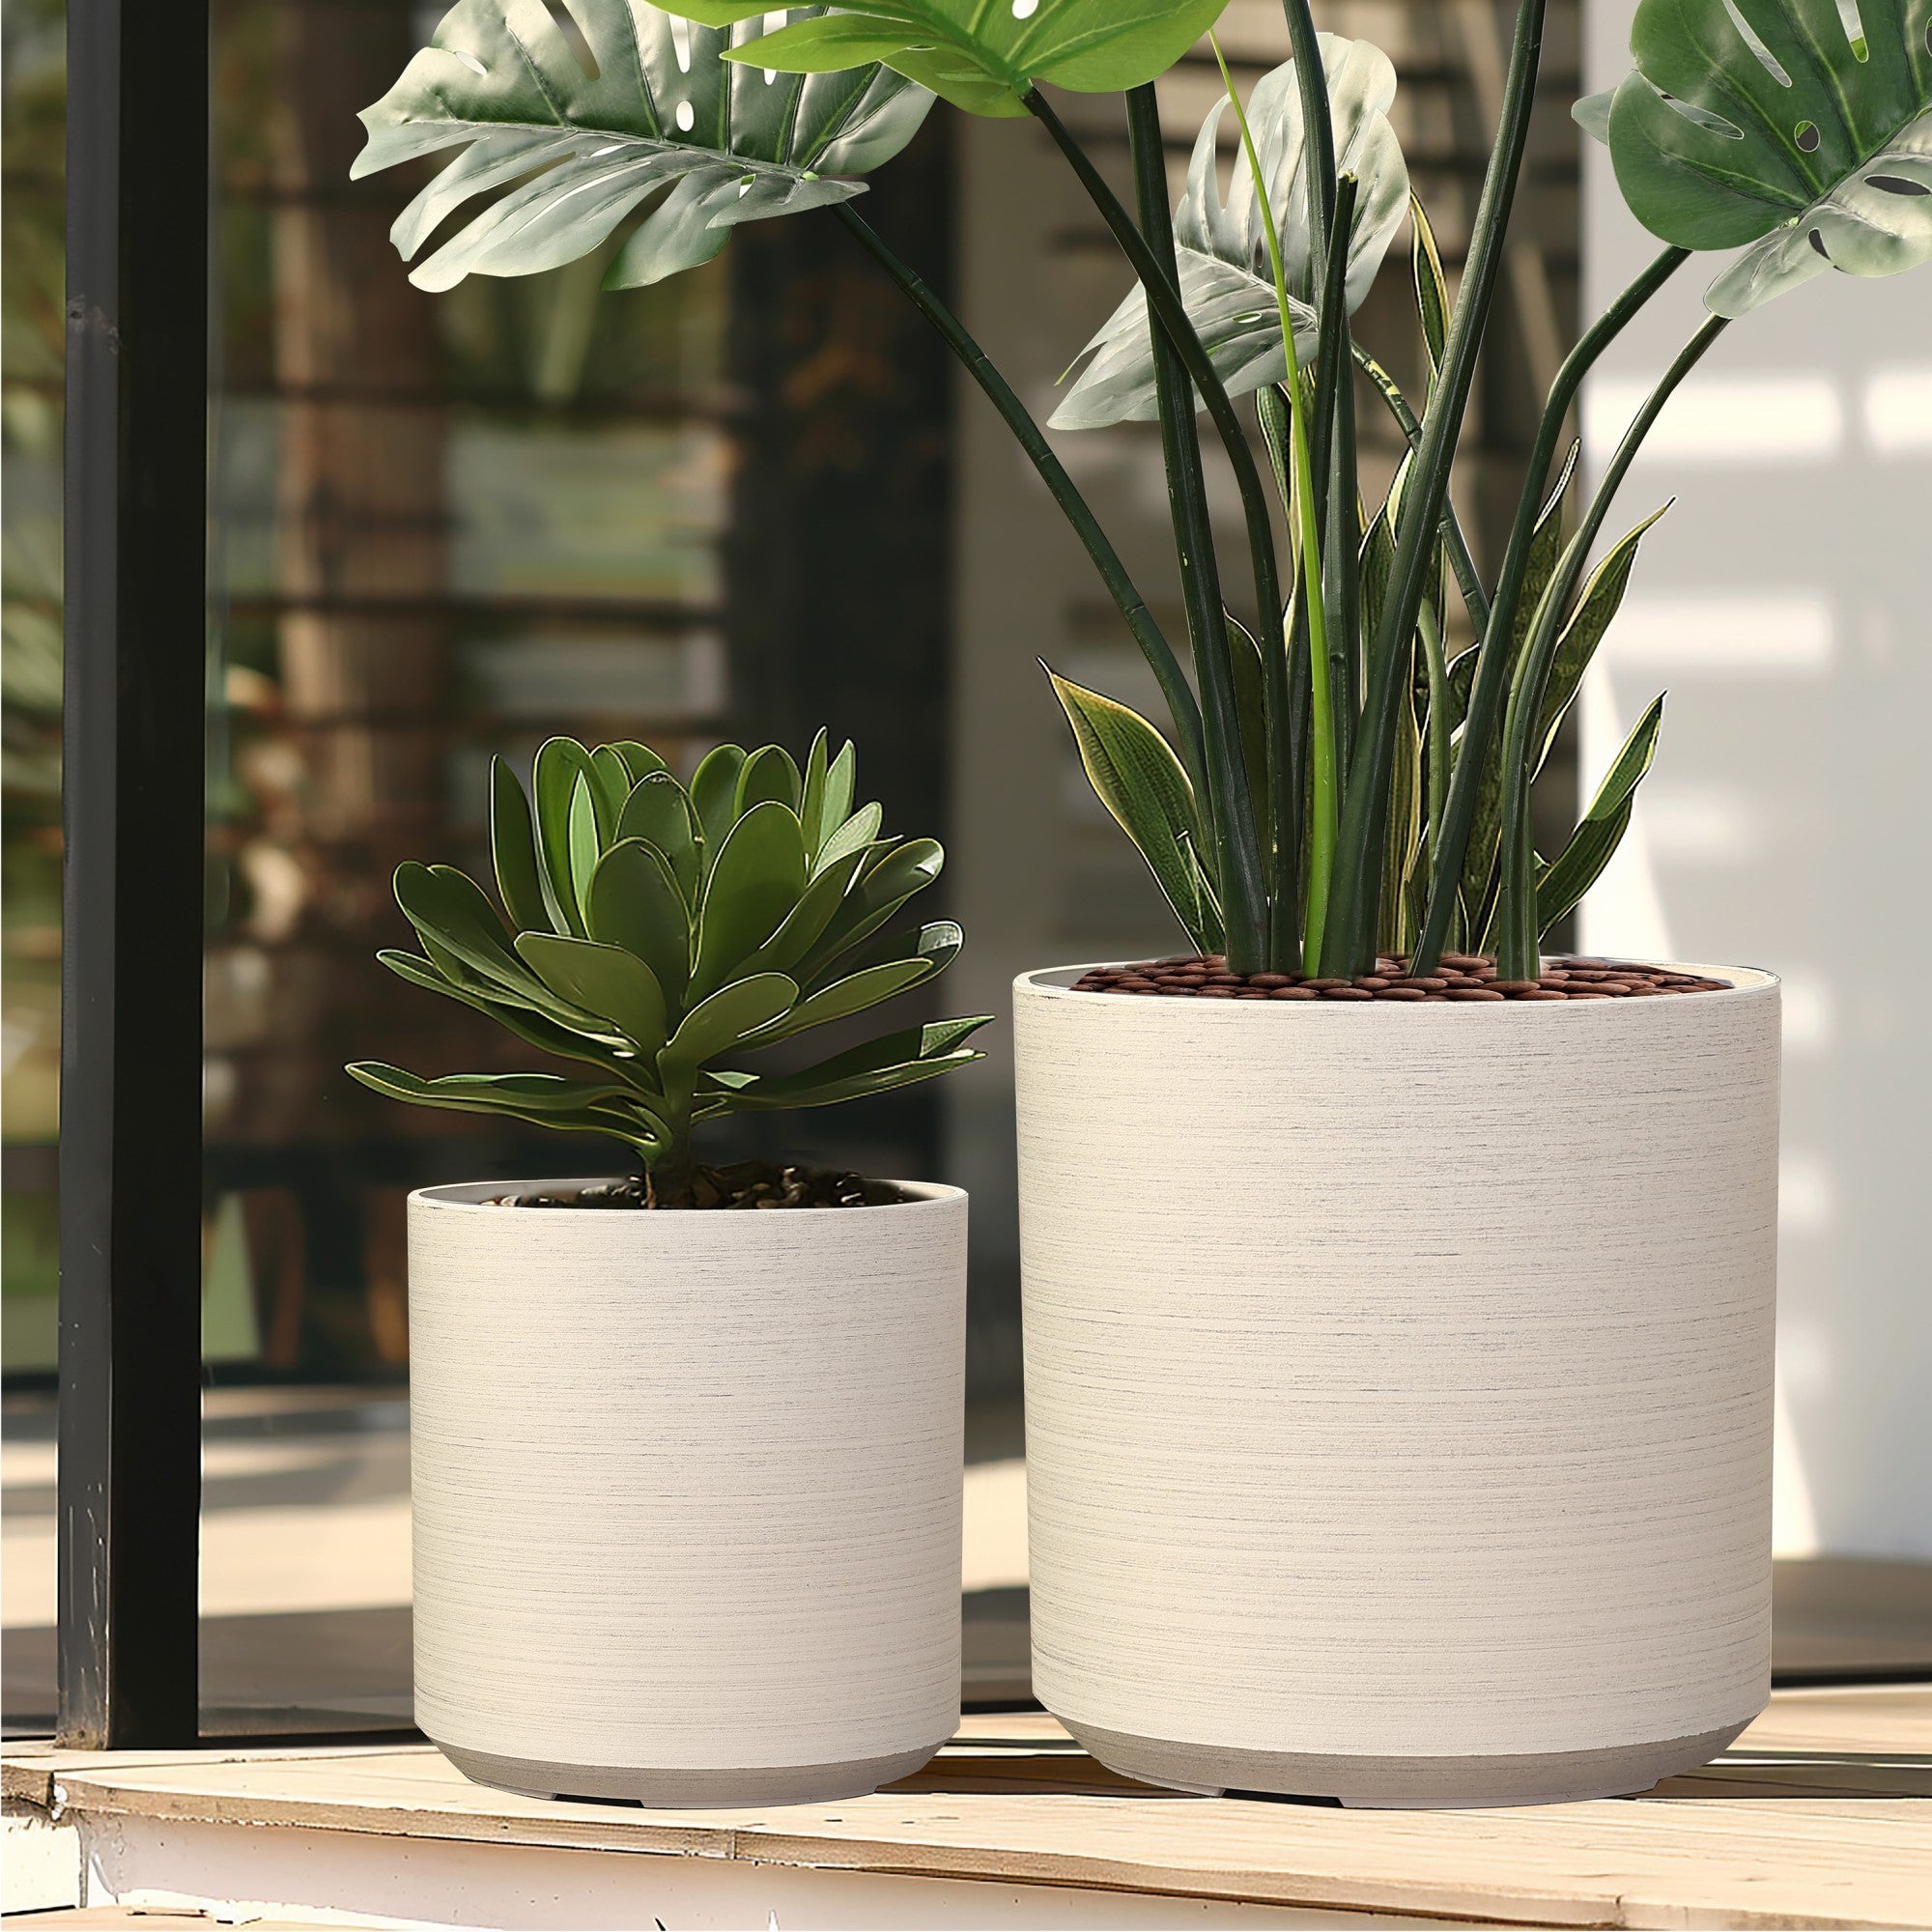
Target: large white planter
(686,1492)
(1399,1387)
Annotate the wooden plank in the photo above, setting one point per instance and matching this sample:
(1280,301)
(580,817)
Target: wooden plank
(1015,1800)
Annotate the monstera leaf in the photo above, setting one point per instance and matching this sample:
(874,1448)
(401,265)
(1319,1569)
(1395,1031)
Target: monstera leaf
(982,55)
(1226,278)
(1800,126)
(578,144)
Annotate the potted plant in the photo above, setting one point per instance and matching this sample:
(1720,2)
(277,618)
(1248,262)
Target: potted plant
(1397,1382)
(686,1480)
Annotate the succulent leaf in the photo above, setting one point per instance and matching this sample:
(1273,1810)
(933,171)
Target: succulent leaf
(756,878)
(659,812)
(713,793)
(634,902)
(513,849)
(603,979)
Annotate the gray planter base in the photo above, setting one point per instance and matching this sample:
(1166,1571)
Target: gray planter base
(1405,1783)
(689,1790)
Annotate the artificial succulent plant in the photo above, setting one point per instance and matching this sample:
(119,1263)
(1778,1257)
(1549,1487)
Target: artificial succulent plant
(662,936)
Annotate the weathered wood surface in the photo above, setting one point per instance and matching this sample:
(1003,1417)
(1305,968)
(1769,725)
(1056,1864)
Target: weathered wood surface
(1820,1816)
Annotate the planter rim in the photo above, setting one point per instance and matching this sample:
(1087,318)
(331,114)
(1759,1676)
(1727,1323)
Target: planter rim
(1056,984)
(469,1195)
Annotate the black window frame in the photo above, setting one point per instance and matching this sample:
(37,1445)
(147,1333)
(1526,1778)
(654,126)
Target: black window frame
(135,627)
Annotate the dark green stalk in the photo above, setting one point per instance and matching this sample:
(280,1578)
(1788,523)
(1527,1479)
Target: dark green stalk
(1318,128)
(1515,915)
(1492,664)
(1243,891)
(1132,606)
(1290,807)
(1469,580)
(1358,869)
(1334,411)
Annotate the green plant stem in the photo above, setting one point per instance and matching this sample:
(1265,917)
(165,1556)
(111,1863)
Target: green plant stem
(1243,889)
(1231,808)
(1271,410)
(1439,729)
(1304,520)
(1516,930)
(1357,884)
(1318,150)
(1494,663)
(1332,453)
(1469,580)
(1284,929)
(1318,124)
(1132,606)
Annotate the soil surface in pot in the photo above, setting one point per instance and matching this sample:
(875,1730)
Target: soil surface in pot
(1461,976)
(747,1184)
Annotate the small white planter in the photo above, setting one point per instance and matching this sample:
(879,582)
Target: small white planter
(1399,1387)
(687,1490)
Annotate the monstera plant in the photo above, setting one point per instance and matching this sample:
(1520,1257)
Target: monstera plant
(1347,765)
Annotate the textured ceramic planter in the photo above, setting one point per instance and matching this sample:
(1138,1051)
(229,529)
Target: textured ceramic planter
(687,1492)
(1399,1387)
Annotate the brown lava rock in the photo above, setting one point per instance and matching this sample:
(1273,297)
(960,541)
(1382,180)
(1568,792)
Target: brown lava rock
(1466,976)
(747,1183)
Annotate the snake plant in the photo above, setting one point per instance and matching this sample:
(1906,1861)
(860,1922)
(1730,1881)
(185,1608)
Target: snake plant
(1332,781)
(665,935)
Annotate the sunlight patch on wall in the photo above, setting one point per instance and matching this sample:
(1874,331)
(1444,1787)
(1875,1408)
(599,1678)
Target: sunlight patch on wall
(1715,420)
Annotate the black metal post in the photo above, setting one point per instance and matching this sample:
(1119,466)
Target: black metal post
(130,993)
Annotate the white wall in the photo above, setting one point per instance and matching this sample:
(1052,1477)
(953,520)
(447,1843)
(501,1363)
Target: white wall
(1783,602)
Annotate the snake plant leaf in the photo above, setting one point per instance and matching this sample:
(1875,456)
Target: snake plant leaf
(635,901)
(657,811)
(1136,775)
(1800,127)
(1592,846)
(728,1016)
(513,851)
(1227,279)
(1245,662)
(603,979)
(755,881)
(1597,605)
(982,55)
(1545,547)
(896,1060)
(1401,837)
(1432,286)
(568,149)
